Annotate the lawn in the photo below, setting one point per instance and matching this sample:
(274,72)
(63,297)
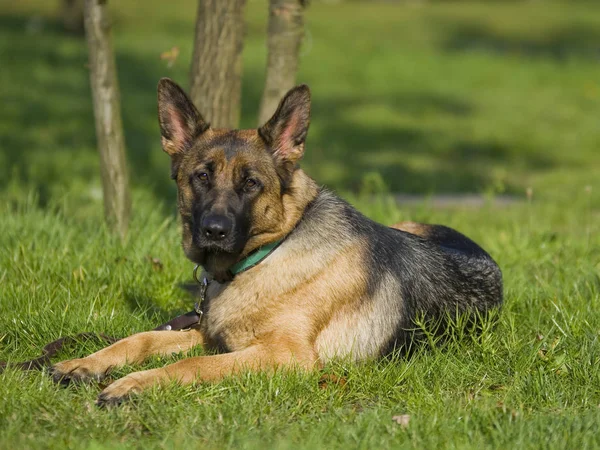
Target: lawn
(418,98)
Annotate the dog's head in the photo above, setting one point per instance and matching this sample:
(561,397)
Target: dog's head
(231,183)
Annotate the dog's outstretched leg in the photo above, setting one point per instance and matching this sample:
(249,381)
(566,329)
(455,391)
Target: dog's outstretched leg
(204,368)
(131,350)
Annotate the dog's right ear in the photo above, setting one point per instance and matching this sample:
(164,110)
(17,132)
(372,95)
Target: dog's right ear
(180,122)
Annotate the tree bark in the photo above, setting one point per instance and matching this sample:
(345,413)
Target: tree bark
(216,72)
(285,33)
(107,113)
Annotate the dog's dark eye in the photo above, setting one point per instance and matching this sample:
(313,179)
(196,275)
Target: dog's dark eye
(250,184)
(202,176)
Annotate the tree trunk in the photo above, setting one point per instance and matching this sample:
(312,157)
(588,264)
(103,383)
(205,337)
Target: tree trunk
(107,113)
(286,30)
(72,15)
(216,73)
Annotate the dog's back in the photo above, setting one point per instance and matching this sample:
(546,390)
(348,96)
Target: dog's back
(410,271)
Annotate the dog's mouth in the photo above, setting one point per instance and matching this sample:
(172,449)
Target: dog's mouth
(216,257)
(230,246)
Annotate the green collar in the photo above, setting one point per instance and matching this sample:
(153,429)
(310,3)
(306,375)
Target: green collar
(254,258)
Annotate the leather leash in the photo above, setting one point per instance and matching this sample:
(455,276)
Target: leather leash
(178,323)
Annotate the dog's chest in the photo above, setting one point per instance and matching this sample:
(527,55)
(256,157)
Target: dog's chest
(232,317)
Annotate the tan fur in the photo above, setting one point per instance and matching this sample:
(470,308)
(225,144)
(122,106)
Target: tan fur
(271,224)
(269,304)
(420,229)
(358,330)
(202,368)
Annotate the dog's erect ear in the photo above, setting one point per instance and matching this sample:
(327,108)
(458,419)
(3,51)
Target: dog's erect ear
(180,122)
(286,131)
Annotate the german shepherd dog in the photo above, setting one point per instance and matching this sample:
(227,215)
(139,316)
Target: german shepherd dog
(335,284)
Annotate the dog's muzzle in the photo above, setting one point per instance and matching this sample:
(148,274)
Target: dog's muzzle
(216,228)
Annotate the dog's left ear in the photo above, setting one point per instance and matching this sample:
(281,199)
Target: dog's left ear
(286,131)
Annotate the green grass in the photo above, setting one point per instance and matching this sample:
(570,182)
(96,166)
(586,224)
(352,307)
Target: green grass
(533,381)
(458,97)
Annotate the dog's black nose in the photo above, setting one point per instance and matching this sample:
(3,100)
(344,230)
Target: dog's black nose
(216,228)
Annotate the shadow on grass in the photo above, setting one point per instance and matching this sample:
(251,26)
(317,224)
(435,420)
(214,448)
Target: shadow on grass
(560,44)
(47,126)
(145,306)
(448,163)
(48,110)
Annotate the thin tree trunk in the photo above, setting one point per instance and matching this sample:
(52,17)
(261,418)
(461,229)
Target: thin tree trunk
(216,72)
(107,113)
(286,30)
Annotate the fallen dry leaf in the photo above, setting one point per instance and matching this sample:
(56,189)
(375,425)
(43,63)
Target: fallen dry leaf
(402,420)
(170,56)
(329,378)
(157,265)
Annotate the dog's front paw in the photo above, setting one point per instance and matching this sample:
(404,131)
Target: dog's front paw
(78,370)
(119,391)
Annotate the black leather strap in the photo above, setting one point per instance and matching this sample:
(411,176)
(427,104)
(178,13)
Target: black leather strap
(181,322)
